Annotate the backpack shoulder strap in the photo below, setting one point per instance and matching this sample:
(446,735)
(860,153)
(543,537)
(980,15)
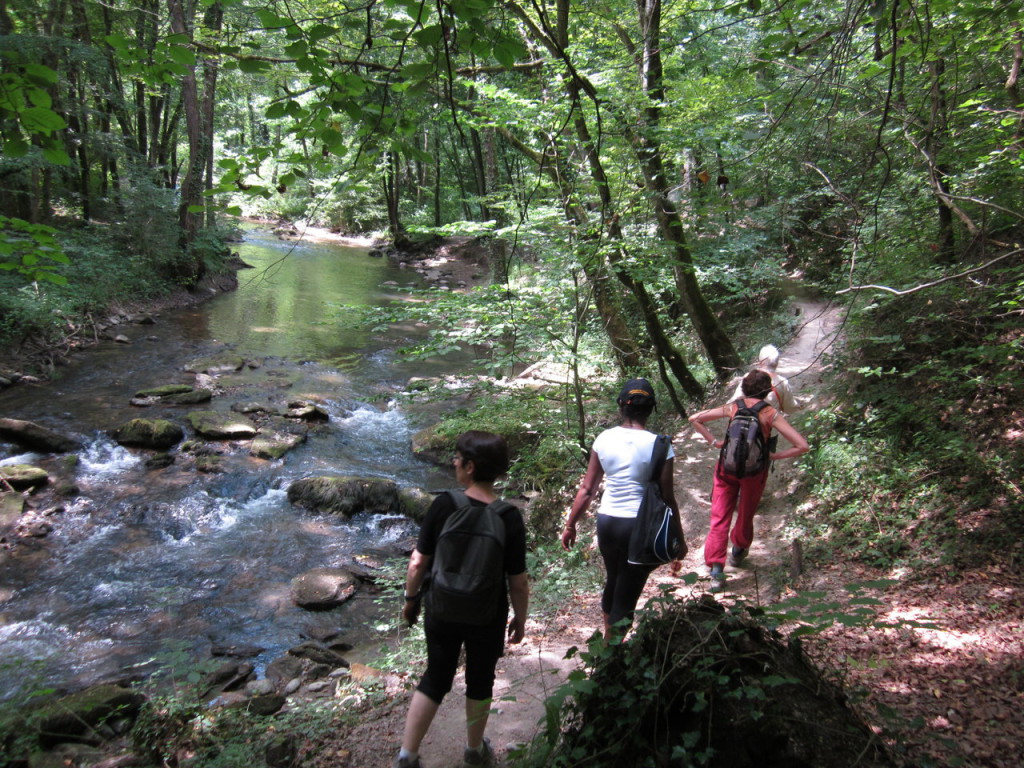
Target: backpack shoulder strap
(500,505)
(459,499)
(658,455)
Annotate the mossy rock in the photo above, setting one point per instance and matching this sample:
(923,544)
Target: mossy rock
(345,496)
(30,435)
(274,445)
(22,476)
(158,434)
(221,426)
(74,717)
(164,391)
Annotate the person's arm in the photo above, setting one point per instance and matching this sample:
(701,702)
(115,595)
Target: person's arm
(668,493)
(419,565)
(787,400)
(699,420)
(519,597)
(798,443)
(584,497)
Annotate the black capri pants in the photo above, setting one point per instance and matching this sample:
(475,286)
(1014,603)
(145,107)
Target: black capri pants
(484,646)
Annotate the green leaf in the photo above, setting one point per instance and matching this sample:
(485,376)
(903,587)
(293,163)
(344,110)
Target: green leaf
(40,120)
(275,111)
(56,156)
(320,32)
(504,54)
(39,72)
(418,70)
(428,37)
(270,20)
(182,55)
(40,98)
(253,65)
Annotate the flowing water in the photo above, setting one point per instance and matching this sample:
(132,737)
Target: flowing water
(146,568)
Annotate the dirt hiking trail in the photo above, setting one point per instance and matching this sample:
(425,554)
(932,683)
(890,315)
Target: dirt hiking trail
(533,670)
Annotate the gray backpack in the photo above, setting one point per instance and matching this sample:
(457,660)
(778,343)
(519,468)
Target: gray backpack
(467,574)
(746,449)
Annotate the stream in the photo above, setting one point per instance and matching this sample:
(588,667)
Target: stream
(146,569)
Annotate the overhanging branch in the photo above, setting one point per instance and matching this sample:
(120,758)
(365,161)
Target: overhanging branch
(923,286)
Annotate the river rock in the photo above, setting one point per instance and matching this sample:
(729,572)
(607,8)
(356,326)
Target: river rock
(22,476)
(318,654)
(266,705)
(12,505)
(74,717)
(274,445)
(283,670)
(171,394)
(221,426)
(214,366)
(254,408)
(414,502)
(282,751)
(158,434)
(306,411)
(345,495)
(323,587)
(30,435)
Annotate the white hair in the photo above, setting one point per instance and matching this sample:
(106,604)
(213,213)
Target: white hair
(768,356)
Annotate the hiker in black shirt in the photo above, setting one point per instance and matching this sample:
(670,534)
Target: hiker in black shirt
(480,458)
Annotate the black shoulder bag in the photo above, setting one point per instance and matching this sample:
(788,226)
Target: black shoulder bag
(654,540)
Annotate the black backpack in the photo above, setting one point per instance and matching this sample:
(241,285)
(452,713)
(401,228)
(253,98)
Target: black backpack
(746,449)
(467,574)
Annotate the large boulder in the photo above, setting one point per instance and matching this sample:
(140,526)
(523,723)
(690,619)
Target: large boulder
(222,426)
(30,435)
(322,588)
(22,476)
(158,434)
(345,495)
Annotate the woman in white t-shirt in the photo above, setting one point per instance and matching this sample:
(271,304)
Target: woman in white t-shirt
(621,456)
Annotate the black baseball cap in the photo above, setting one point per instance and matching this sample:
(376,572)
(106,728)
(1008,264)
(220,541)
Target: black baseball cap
(637,392)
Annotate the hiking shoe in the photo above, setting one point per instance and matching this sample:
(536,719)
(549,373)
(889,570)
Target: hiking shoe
(717,577)
(408,762)
(736,556)
(473,758)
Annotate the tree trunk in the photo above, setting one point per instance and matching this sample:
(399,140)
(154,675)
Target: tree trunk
(716,343)
(192,184)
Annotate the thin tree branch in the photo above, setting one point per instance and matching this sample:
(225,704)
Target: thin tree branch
(932,284)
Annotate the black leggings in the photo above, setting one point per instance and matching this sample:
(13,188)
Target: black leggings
(625,581)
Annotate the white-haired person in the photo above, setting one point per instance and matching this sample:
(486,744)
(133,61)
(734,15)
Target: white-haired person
(781,396)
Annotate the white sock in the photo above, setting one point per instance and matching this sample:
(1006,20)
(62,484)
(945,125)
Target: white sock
(406,753)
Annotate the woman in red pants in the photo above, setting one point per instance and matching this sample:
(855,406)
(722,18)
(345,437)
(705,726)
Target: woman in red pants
(741,494)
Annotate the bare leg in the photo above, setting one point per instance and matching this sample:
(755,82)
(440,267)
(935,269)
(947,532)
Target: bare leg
(417,722)
(477,712)
(607,627)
